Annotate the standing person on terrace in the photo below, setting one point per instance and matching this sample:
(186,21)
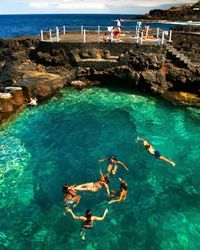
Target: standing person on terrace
(119,24)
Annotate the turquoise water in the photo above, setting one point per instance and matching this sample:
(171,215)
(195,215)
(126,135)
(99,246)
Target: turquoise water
(62,140)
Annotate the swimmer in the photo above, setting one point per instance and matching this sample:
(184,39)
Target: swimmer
(123,192)
(113,165)
(71,197)
(88,220)
(154,152)
(33,102)
(95,186)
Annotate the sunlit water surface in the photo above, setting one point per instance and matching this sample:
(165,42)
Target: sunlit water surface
(61,141)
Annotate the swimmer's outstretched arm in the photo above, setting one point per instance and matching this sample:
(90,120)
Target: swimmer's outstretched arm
(143,141)
(74,216)
(120,179)
(104,159)
(107,189)
(120,198)
(116,200)
(101,173)
(123,165)
(139,138)
(98,218)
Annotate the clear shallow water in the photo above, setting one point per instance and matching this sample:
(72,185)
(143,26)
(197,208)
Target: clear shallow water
(61,141)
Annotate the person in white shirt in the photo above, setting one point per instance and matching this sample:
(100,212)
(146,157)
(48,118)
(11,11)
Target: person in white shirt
(119,24)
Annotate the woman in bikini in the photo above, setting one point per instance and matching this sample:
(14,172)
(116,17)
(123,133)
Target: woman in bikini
(154,152)
(71,197)
(95,186)
(88,220)
(113,165)
(123,192)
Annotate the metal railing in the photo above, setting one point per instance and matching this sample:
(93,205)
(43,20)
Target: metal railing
(138,32)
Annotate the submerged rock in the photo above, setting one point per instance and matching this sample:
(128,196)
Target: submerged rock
(183,98)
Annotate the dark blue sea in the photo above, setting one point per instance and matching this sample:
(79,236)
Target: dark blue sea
(25,25)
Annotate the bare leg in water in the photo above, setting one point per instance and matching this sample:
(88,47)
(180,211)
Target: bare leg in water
(162,158)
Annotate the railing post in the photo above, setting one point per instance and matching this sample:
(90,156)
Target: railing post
(81,29)
(63,30)
(57,35)
(111,36)
(163,37)
(41,35)
(147,31)
(50,35)
(157,34)
(84,35)
(98,30)
(136,31)
(170,36)
(141,38)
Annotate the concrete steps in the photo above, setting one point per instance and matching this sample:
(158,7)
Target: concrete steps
(181,58)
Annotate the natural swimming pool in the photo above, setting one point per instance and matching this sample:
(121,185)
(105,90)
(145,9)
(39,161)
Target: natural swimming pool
(61,141)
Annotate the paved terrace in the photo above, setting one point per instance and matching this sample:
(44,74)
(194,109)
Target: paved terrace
(93,36)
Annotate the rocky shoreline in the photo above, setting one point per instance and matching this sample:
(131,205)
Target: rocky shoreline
(186,12)
(30,68)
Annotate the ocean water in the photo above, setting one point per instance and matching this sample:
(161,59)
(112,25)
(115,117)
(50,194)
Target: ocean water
(25,25)
(61,141)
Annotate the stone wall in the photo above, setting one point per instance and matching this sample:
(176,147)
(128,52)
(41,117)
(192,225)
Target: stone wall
(115,48)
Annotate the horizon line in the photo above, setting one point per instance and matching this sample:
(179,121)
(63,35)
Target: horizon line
(70,14)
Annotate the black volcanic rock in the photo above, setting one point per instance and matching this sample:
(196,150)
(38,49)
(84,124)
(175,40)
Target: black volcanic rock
(185,12)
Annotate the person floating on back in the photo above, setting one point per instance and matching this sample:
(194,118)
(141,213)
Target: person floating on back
(123,192)
(95,186)
(113,165)
(71,197)
(154,152)
(88,220)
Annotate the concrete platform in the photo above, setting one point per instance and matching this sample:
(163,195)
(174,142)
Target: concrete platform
(93,36)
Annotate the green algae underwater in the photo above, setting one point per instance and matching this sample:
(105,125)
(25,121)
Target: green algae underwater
(61,142)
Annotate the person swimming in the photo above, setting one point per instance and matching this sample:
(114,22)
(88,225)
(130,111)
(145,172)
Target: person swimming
(123,192)
(88,220)
(71,197)
(113,165)
(95,186)
(154,152)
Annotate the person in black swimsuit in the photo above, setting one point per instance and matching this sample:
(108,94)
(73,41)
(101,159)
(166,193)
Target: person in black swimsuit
(113,165)
(88,220)
(154,152)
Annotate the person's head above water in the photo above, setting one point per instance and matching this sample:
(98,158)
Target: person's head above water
(104,178)
(123,186)
(113,157)
(147,146)
(88,214)
(65,188)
